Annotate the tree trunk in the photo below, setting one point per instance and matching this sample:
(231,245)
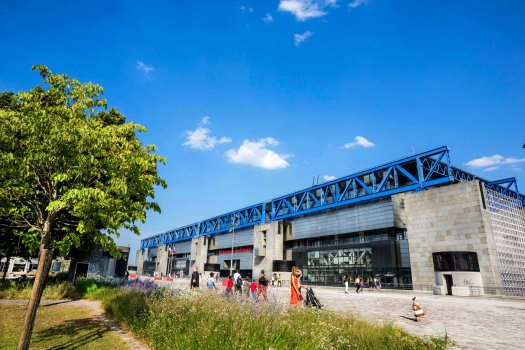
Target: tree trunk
(6,266)
(44,265)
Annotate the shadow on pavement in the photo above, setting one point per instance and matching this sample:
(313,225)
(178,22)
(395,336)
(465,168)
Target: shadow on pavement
(408,318)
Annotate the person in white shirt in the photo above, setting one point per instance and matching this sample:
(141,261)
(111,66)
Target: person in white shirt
(238,286)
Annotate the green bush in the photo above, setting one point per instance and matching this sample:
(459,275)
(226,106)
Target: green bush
(130,308)
(52,291)
(205,320)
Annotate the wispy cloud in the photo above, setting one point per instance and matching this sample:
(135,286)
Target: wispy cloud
(356,3)
(359,141)
(245,9)
(201,137)
(329,177)
(268,18)
(491,163)
(303,9)
(298,39)
(258,154)
(144,68)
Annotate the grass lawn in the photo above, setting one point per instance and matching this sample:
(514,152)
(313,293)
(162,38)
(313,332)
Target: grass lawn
(58,327)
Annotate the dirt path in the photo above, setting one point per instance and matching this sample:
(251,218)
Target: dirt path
(97,313)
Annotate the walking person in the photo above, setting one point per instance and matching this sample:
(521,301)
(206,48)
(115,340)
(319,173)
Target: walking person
(296,297)
(229,287)
(357,279)
(346,281)
(211,283)
(279,280)
(262,286)
(194,283)
(418,309)
(253,288)
(237,279)
(361,286)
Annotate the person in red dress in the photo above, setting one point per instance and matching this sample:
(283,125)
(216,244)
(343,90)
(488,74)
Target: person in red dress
(295,284)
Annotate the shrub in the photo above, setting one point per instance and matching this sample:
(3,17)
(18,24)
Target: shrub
(145,287)
(206,320)
(129,307)
(52,291)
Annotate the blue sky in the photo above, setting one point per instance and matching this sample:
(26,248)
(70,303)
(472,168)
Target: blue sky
(248,100)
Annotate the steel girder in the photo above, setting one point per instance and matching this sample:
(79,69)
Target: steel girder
(245,217)
(407,174)
(507,187)
(413,173)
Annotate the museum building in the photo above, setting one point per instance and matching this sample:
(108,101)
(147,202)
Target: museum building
(415,223)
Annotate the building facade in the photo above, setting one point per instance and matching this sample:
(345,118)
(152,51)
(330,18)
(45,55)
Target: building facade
(415,223)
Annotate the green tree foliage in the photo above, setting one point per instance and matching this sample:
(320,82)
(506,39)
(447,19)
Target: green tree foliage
(70,169)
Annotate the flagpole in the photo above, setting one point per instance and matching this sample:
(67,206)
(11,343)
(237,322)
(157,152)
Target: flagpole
(233,237)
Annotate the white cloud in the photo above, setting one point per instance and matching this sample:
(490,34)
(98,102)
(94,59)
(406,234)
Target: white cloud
(201,138)
(245,9)
(268,18)
(329,177)
(359,141)
(491,163)
(144,68)
(298,39)
(303,9)
(257,154)
(357,3)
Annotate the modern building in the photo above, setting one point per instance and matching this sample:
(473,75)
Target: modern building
(417,222)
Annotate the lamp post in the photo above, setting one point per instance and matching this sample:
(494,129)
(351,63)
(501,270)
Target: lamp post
(234,216)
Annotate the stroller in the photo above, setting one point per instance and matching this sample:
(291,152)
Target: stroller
(311,299)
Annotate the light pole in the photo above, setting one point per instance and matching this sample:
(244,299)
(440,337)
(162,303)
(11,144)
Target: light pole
(234,216)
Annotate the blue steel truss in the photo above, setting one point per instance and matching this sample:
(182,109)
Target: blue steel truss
(242,218)
(507,187)
(407,174)
(414,173)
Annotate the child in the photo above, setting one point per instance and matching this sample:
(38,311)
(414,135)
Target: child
(211,282)
(253,288)
(229,287)
(361,286)
(418,310)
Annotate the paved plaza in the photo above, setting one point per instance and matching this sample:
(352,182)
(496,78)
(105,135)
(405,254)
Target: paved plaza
(472,322)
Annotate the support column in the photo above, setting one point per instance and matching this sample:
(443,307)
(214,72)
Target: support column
(267,247)
(139,261)
(162,259)
(199,252)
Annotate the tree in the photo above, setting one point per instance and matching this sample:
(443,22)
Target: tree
(70,171)
(11,245)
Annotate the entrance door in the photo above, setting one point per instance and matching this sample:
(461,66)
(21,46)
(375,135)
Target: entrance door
(81,270)
(449,282)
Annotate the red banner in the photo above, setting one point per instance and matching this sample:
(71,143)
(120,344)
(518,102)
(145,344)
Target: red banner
(235,251)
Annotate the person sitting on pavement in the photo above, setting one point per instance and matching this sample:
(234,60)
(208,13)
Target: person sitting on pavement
(418,309)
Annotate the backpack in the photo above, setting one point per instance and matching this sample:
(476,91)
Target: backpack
(263,281)
(239,281)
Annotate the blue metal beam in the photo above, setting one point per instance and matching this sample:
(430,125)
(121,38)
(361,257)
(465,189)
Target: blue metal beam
(504,187)
(365,187)
(414,173)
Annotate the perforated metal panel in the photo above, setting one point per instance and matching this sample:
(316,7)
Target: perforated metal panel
(508,225)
